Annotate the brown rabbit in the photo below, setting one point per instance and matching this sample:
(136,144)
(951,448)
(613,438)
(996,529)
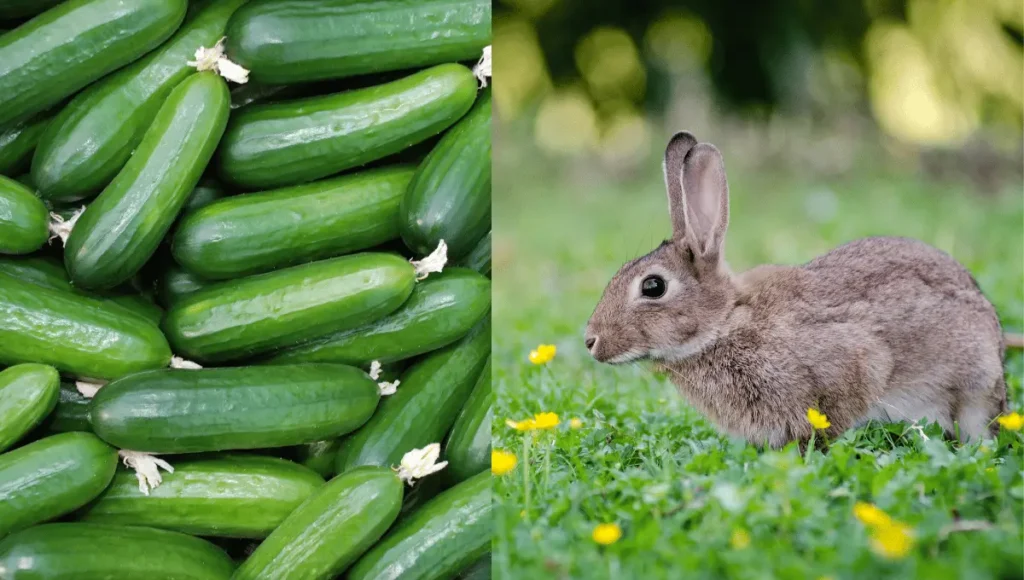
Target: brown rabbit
(879,328)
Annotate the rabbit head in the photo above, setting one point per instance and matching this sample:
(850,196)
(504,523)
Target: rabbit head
(667,305)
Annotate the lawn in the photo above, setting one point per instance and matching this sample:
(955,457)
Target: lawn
(692,503)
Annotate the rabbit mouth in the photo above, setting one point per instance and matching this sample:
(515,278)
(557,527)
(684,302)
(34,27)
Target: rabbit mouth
(629,356)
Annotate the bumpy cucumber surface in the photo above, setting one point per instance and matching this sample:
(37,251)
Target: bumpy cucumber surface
(18,141)
(479,258)
(441,309)
(74,43)
(24,221)
(262,313)
(188,411)
(122,228)
(28,392)
(52,477)
(91,138)
(283,144)
(259,232)
(468,449)
(287,41)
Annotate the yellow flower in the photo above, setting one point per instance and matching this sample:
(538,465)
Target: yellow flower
(538,421)
(606,534)
(871,515)
(892,541)
(575,423)
(817,420)
(524,425)
(543,354)
(740,539)
(502,462)
(1014,421)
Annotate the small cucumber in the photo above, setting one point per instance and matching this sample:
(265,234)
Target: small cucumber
(175,282)
(259,232)
(24,221)
(207,192)
(423,409)
(71,412)
(74,43)
(28,392)
(235,496)
(190,411)
(441,310)
(330,530)
(82,337)
(85,551)
(437,541)
(18,141)
(479,258)
(263,313)
(468,449)
(51,477)
(450,197)
(281,144)
(123,227)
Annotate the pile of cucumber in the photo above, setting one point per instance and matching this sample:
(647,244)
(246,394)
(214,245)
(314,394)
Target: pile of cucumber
(245,289)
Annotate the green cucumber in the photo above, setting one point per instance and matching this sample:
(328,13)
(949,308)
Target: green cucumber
(207,192)
(423,409)
(80,336)
(259,232)
(12,9)
(85,551)
(450,197)
(190,411)
(438,541)
(24,221)
(123,227)
(330,530)
(71,413)
(71,45)
(28,392)
(235,496)
(468,449)
(441,309)
(51,477)
(263,313)
(175,283)
(18,141)
(90,140)
(289,41)
(479,258)
(281,144)
(479,570)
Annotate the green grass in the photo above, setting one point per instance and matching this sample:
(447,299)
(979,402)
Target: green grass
(680,490)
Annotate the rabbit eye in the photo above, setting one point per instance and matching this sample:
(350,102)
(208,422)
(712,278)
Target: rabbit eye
(653,287)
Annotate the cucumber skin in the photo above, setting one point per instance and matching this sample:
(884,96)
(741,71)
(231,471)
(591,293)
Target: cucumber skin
(175,283)
(288,41)
(479,258)
(424,407)
(80,336)
(71,412)
(438,541)
(58,53)
(330,530)
(18,141)
(51,477)
(450,197)
(266,312)
(234,496)
(259,232)
(190,411)
(123,227)
(479,570)
(205,193)
(24,220)
(441,310)
(28,393)
(90,140)
(85,551)
(468,449)
(283,144)
(13,9)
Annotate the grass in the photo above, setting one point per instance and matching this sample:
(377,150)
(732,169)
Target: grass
(691,502)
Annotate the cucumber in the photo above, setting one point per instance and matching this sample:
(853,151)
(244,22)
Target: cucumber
(207,192)
(24,221)
(175,283)
(74,43)
(124,226)
(235,496)
(259,232)
(51,477)
(330,530)
(425,406)
(441,309)
(84,551)
(12,9)
(82,337)
(281,144)
(450,197)
(28,392)
(190,411)
(437,541)
(479,258)
(479,570)
(18,141)
(262,313)
(468,449)
(71,413)
(289,41)
(90,140)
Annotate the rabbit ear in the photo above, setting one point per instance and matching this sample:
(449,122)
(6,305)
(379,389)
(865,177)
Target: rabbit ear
(675,154)
(706,197)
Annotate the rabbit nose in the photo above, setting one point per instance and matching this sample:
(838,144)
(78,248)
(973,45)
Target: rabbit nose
(590,342)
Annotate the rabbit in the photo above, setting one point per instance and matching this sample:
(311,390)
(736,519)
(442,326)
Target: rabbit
(880,328)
